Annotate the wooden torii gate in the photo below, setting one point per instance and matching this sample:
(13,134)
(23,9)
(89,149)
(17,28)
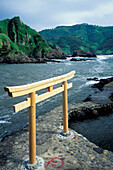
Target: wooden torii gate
(34,98)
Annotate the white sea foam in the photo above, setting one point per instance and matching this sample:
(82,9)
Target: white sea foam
(3,121)
(6,116)
(91,82)
(104,57)
(95,82)
(103,77)
(69,58)
(15,113)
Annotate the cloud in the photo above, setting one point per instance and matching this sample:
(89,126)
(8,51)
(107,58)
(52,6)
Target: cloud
(41,14)
(102,15)
(96,15)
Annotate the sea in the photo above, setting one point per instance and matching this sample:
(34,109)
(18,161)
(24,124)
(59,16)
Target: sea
(21,74)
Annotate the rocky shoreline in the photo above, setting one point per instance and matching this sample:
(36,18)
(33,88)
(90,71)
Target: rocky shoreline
(76,152)
(103,91)
(66,153)
(21,58)
(89,110)
(99,103)
(74,59)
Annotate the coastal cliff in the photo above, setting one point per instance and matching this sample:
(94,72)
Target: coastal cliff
(21,44)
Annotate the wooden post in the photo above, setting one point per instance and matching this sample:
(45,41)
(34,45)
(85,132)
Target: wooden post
(65,108)
(49,89)
(32,129)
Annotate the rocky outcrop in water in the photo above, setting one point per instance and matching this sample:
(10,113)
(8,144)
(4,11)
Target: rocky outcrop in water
(74,59)
(82,53)
(89,110)
(56,53)
(102,83)
(103,91)
(98,103)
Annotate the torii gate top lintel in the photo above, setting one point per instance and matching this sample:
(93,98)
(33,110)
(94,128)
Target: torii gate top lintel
(16,91)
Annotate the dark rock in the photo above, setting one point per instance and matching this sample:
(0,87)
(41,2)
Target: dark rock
(103,93)
(98,150)
(101,97)
(52,60)
(95,112)
(73,59)
(55,148)
(82,53)
(102,83)
(55,53)
(20,57)
(111,97)
(15,57)
(94,78)
(87,99)
(90,111)
(43,53)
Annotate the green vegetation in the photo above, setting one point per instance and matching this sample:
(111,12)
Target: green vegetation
(18,39)
(6,45)
(86,37)
(3,26)
(16,36)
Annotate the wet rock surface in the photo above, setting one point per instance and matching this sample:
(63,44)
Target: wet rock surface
(103,91)
(73,153)
(63,153)
(82,53)
(89,110)
(74,59)
(102,83)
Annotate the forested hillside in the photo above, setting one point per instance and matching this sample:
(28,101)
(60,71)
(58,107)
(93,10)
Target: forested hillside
(95,39)
(20,43)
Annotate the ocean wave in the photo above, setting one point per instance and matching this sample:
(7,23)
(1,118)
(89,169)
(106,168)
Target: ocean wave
(3,96)
(6,116)
(97,81)
(14,113)
(104,77)
(68,63)
(69,58)
(91,82)
(3,121)
(104,57)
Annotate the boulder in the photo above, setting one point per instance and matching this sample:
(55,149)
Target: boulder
(93,78)
(56,53)
(15,58)
(82,53)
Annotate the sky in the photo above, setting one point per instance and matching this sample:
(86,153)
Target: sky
(46,14)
